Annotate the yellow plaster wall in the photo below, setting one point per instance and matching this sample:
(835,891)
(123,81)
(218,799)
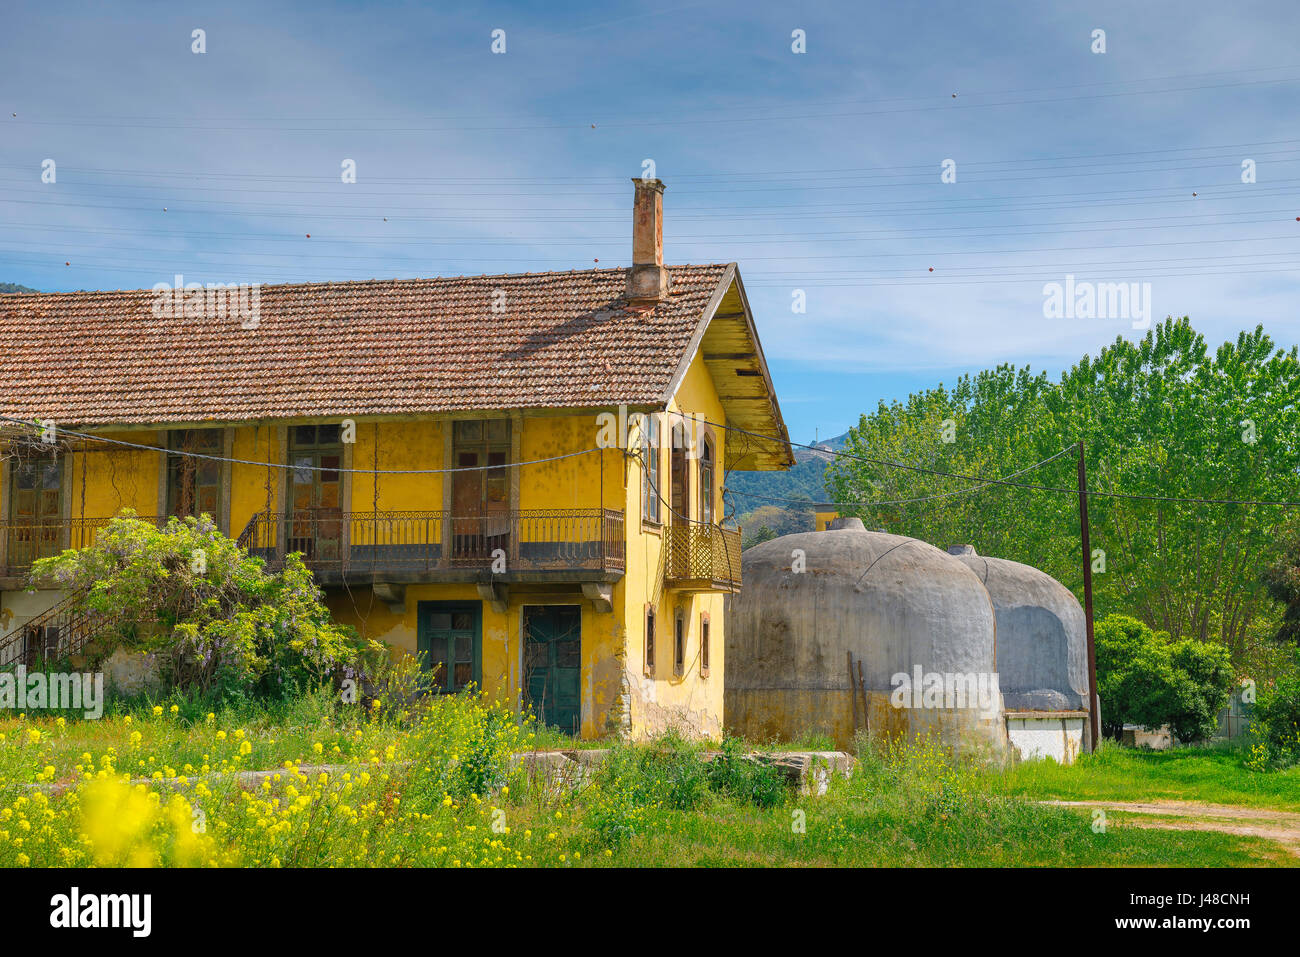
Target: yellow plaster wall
(659,698)
(502,648)
(617,694)
(402,446)
(248,493)
(116,477)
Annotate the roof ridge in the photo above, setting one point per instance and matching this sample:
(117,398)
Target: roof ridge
(550,273)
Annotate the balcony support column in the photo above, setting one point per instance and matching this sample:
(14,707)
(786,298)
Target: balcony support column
(601,594)
(393,595)
(497,593)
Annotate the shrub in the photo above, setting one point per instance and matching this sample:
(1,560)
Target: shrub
(1145,678)
(220,624)
(1277,723)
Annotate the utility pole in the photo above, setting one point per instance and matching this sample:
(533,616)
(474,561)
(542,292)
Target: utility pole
(1094,708)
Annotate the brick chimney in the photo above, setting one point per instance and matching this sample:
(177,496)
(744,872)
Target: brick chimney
(647,280)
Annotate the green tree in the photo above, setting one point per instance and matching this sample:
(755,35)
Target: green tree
(1282,580)
(1160,417)
(1145,678)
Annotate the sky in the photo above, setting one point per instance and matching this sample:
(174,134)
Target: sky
(915,176)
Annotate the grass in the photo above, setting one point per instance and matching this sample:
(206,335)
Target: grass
(1211,775)
(437,788)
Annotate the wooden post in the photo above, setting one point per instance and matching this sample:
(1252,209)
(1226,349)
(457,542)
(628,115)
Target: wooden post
(853,689)
(1094,710)
(862,688)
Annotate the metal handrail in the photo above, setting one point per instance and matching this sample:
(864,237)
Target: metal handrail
(414,540)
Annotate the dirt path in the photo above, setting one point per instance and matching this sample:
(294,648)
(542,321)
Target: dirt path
(1281,827)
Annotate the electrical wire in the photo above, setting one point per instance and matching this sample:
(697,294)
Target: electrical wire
(1092,493)
(901,501)
(295,468)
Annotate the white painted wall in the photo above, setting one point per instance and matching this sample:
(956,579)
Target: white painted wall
(19,607)
(1048,736)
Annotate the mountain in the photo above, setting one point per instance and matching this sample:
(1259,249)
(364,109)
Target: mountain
(748,493)
(14,287)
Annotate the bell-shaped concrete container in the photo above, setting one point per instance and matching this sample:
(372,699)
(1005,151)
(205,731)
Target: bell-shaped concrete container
(1042,637)
(813,601)
(1042,657)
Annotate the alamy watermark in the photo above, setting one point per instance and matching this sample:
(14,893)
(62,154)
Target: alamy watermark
(1098,300)
(623,430)
(944,690)
(216,300)
(55,691)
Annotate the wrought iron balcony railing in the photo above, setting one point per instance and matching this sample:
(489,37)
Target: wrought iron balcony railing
(702,557)
(23,540)
(426,542)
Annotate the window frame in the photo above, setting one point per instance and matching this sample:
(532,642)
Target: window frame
(651,471)
(178,443)
(680,638)
(706,471)
(648,651)
(705,624)
(679,474)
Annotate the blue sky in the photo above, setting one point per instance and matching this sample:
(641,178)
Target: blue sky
(816,171)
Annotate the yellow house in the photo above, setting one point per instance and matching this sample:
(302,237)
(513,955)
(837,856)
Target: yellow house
(518,476)
(823,515)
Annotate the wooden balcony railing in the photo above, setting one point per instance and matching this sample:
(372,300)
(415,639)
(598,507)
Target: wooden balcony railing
(415,542)
(702,557)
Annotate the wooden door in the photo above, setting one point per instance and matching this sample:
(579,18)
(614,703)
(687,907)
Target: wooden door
(553,664)
(315,515)
(35,511)
(681,482)
(480,495)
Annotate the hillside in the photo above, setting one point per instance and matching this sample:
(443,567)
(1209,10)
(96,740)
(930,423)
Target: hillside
(748,492)
(14,287)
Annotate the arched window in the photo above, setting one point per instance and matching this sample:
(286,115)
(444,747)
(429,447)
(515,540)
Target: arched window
(706,479)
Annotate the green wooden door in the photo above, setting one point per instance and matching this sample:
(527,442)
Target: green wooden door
(552,664)
(450,639)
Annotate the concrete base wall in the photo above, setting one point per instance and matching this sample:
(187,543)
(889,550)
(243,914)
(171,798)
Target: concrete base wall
(789,714)
(1056,736)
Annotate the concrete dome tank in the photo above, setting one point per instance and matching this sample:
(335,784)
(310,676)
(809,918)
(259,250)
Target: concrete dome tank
(1042,636)
(898,605)
(1042,657)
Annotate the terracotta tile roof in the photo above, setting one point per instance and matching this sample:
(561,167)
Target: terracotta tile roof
(561,339)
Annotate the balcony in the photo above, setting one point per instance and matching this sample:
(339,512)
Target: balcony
(702,557)
(24,540)
(561,545)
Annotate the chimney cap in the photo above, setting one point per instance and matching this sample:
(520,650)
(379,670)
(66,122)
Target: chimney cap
(643,183)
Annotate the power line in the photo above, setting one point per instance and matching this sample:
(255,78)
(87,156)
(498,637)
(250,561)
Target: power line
(728,117)
(621,180)
(993,481)
(904,501)
(882,234)
(294,468)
